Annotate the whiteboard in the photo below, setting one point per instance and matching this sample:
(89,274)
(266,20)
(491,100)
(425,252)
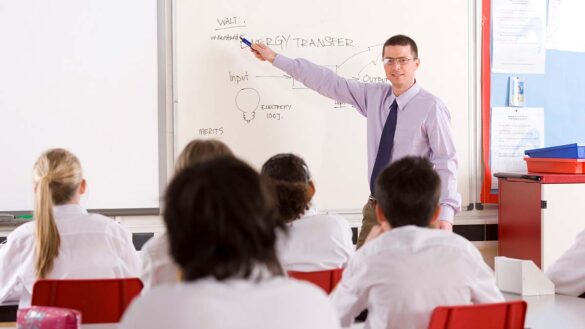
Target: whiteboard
(222,91)
(81,75)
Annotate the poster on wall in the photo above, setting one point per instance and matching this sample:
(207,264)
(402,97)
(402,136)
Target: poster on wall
(514,130)
(518,36)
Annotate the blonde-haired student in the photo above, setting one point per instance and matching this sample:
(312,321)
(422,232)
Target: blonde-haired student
(64,241)
(157,265)
(315,241)
(406,268)
(567,272)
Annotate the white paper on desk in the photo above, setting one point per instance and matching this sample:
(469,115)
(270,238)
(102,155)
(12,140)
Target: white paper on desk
(518,36)
(512,131)
(566,25)
(521,277)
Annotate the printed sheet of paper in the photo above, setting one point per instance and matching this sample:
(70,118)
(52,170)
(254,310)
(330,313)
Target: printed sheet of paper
(566,25)
(514,130)
(518,36)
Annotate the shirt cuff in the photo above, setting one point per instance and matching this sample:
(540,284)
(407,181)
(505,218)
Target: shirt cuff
(447,214)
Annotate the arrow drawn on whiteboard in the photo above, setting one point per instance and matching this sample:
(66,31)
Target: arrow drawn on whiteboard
(370,48)
(363,68)
(284,76)
(350,57)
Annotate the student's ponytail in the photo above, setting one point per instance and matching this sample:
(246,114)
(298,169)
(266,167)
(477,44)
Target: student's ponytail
(57,175)
(46,236)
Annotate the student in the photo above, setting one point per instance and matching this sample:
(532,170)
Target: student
(64,241)
(567,272)
(222,231)
(406,268)
(157,265)
(402,118)
(315,242)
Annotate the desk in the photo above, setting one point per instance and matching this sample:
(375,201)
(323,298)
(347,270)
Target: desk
(546,312)
(553,311)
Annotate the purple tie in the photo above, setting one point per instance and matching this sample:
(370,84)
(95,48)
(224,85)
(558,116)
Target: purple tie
(386,144)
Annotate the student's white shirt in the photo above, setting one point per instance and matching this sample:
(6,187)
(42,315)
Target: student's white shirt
(568,272)
(157,265)
(92,246)
(316,242)
(276,302)
(402,275)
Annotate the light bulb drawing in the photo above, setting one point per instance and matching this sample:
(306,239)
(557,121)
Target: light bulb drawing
(247,101)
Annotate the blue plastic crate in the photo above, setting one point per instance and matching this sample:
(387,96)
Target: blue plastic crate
(569,151)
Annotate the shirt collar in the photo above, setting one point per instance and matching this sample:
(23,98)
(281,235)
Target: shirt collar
(406,97)
(260,272)
(310,212)
(68,210)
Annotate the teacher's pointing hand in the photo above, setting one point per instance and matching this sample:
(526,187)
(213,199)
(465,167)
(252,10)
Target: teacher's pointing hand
(263,52)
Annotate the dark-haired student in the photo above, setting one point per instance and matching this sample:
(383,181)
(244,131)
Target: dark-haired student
(314,241)
(157,264)
(222,231)
(406,269)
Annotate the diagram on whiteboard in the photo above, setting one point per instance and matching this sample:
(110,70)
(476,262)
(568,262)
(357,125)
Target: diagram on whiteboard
(247,101)
(361,64)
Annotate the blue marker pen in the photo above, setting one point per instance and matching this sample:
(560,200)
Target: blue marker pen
(244,40)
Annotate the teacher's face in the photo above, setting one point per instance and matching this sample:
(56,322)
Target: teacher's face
(400,71)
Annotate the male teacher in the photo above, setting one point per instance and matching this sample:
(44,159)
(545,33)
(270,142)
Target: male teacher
(402,118)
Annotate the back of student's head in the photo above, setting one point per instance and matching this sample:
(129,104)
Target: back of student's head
(408,192)
(56,175)
(291,179)
(201,150)
(220,220)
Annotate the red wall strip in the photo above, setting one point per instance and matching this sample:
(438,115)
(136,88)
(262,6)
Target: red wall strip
(486,196)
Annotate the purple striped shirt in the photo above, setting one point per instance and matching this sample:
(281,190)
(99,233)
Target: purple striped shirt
(423,128)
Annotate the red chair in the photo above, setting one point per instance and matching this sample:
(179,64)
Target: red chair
(326,280)
(508,315)
(98,300)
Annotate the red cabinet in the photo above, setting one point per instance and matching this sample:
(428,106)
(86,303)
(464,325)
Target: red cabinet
(539,215)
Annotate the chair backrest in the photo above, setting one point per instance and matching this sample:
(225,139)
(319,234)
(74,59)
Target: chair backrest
(327,280)
(98,300)
(507,315)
